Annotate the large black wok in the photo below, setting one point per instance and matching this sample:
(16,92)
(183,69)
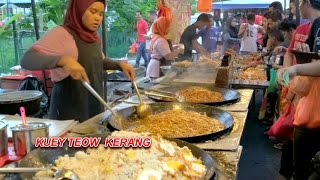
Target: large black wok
(229,95)
(225,118)
(44,157)
(10,102)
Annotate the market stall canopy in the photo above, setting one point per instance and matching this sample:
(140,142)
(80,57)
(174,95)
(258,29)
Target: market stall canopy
(11,6)
(16,1)
(19,3)
(243,4)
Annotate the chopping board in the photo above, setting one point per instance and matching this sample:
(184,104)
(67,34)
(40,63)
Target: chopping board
(56,128)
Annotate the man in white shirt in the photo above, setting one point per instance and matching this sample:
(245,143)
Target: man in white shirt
(152,18)
(249,34)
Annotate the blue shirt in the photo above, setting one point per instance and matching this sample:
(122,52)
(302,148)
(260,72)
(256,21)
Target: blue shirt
(210,37)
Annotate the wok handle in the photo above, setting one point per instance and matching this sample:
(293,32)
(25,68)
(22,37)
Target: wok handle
(22,170)
(96,95)
(161,92)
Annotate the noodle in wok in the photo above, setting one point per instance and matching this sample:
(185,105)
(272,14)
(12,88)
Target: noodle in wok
(179,123)
(200,95)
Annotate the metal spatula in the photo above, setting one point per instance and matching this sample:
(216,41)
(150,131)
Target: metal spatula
(120,119)
(58,173)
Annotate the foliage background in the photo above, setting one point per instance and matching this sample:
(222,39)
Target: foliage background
(121,22)
(120,19)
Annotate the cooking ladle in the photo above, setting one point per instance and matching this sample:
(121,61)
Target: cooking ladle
(143,110)
(58,173)
(120,119)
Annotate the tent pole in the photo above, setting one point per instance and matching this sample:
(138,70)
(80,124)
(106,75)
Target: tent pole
(104,49)
(297,12)
(36,29)
(104,33)
(35,19)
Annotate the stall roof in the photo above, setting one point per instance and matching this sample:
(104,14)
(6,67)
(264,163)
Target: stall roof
(16,1)
(242,4)
(12,6)
(19,3)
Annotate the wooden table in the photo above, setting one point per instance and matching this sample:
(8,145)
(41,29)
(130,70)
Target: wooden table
(253,87)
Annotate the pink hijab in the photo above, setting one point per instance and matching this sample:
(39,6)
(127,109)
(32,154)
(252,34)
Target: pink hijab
(73,19)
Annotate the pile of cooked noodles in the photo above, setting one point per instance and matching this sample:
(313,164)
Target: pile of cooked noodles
(178,123)
(163,160)
(200,95)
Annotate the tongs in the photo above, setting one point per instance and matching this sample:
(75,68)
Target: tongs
(164,94)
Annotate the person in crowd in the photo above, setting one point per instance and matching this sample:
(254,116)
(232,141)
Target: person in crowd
(265,27)
(152,18)
(276,5)
(160,49)
(210,36)
(230,35)
(275,39)
(249,34)
(287,28)
(73,53)
(190,35)
(260,21)
(217,18)
(306,141)
(293,11)
(142,29)
(273,20)
(289,99)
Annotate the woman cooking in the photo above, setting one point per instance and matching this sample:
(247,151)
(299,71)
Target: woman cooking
(160,49)
(73,53)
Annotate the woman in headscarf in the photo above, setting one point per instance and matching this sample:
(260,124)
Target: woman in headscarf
(73,54)
(230,35)
(160,48)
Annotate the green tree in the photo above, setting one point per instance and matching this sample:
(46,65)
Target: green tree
(121,21)
(121,14)
(53,10)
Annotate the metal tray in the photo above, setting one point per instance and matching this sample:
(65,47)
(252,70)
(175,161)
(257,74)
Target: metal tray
(224,117)
(230,95)
(44,157)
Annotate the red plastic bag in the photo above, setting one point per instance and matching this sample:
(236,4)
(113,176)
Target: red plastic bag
(134,48)
(283,128)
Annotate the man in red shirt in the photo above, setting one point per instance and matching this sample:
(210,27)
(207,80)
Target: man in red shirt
(142,29)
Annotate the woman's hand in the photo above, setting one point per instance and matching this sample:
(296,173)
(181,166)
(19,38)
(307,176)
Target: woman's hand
(72,66)
(291,71)
(128,70)
(303,47)
(279,50)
